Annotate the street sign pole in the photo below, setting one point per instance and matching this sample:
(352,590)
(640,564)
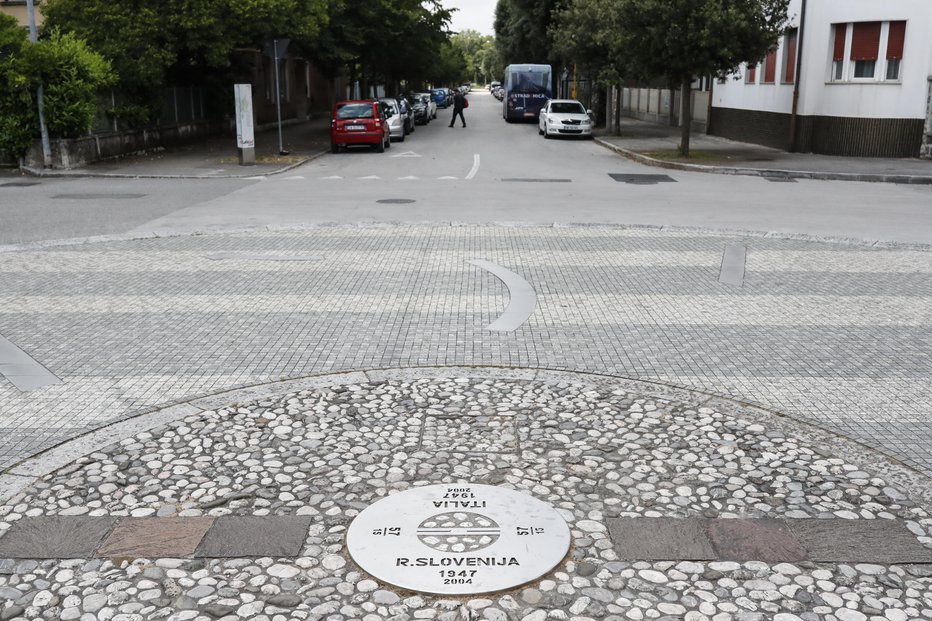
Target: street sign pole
(278,100)
(40,93)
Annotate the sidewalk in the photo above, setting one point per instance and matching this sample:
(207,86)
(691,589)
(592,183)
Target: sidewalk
(643,142)
(215,157)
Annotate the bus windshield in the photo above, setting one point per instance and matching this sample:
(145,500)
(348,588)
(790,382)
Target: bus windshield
(527,89)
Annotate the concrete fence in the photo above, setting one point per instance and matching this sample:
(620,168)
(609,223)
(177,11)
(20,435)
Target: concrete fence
(658,105)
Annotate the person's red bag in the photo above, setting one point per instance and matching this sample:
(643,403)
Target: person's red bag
(465,103)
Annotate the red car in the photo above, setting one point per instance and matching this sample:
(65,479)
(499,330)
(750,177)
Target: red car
(359,122)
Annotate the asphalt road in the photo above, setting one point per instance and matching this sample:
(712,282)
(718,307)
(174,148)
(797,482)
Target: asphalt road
(491,171)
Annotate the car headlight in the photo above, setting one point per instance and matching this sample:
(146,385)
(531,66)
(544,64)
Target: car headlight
(585,122)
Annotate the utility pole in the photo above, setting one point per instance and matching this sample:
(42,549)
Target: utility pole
(43,129)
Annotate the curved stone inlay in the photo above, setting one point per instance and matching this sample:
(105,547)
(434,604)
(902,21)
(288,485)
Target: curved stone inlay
(523,297)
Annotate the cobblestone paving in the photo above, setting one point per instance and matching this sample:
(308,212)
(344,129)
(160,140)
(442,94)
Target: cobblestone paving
(832,333)
(596,449)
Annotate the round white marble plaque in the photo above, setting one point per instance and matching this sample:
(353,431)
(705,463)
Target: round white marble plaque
(458,539)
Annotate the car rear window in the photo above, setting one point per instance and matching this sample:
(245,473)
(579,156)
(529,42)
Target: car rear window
(355,111)
(567,108)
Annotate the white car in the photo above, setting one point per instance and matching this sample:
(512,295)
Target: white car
(431,105)
(565,117)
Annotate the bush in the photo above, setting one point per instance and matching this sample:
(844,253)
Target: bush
(72,74)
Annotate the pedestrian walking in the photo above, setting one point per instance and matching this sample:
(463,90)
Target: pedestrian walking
(459,102)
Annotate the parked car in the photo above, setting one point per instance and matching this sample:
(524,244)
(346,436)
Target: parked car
(498,92)
(495,84)
(397,125)
(439,95)
(359,122)
(431,105)
(465,88)
(407,112)
(565,117)
(420,103)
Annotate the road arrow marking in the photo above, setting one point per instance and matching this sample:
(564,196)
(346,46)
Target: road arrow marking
(406,154)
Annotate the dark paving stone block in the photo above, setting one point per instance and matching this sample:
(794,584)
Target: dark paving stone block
(55,537)
(660,539)
(238,536)
(885,542)
(754,540)
(155,537)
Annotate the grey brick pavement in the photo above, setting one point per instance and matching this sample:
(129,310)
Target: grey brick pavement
(831,333)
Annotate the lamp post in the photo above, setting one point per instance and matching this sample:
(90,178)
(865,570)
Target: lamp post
(275,51)
(43,129)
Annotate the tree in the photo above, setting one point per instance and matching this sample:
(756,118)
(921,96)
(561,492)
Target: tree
(71,72)
(476,49)
(152,43)
(521,30)
(683,39)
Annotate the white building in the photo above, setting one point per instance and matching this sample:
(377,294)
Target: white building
(859,71)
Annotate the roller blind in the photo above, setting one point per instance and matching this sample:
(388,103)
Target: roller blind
(841,31)
(895,39)
(865,41)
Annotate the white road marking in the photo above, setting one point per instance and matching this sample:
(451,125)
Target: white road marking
(371,177)
(333,177)
(406,154)
(446,177)
(523,297)
(407,178)
(295,177)
(260,178)
(475,166)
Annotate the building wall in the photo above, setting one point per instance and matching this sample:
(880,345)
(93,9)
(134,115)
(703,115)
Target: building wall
(887,116)
(17,8)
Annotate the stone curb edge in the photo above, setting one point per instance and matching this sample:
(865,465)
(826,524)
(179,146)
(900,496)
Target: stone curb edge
(18,477)
(41,173)
(122,237)
(766,172)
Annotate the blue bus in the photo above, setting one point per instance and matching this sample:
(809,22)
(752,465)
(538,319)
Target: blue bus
(527,89)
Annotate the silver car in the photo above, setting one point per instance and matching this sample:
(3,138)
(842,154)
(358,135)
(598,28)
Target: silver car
(431,105)
(396,120)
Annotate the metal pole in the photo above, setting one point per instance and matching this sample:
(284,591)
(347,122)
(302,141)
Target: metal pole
(278,100)
(43,129)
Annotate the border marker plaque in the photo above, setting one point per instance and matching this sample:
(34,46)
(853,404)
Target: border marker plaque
(457,539)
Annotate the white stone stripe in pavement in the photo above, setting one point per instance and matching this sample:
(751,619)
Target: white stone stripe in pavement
(522,302)
(21,370)
(865,262)
(475,166)
(733,260)
(761,310)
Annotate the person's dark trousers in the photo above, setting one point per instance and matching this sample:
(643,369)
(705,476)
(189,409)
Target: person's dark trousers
(457,112)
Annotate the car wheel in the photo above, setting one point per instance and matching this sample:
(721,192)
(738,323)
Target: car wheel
(334,148)
(402,137)
(546,133)
(540,131)
(380,148)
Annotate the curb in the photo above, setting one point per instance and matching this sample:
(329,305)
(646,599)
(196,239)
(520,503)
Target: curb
(766,172)
(50,174)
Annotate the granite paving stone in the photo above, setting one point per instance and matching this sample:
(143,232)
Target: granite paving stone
(233,536)
(51,537)
(155,537)
(661,539)
(888,542)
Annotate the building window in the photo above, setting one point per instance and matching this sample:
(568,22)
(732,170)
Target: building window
(789,56)
(896,36)
(856,53)
(750,74)
(865,43)
(770,68)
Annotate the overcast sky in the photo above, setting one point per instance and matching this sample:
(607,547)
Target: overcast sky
(472,15)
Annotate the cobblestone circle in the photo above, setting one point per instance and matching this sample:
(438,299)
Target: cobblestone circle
(595,451)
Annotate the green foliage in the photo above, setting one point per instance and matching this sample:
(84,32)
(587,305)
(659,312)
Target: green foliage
(71,73)
(152,43)
(589,32)
(521,30)
(681,40)
(479,52)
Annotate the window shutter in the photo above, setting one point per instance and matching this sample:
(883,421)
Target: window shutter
(751,74)
(789,69)
(770,68)
(865,41)
(895,39)
(840,33)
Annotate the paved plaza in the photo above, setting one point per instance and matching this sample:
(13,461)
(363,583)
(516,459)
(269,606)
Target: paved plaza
(778,407)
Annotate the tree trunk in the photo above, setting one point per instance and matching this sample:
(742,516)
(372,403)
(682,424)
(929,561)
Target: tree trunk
(686,115)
